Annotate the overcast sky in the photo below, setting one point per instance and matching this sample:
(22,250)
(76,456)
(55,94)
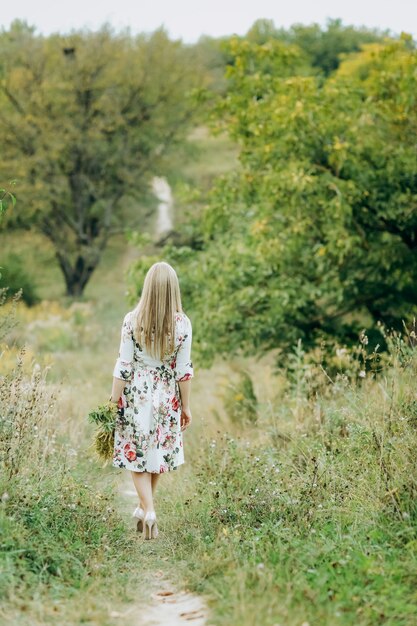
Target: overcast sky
(188,19)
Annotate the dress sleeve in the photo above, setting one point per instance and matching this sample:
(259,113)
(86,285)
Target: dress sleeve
(184,367)
(123,367)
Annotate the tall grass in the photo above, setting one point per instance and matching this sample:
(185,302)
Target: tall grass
(61,538)
(310,515)
(297,503)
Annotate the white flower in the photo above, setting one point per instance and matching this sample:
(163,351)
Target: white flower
(362,374)
(363,338)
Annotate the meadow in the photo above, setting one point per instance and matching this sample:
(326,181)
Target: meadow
(297,502)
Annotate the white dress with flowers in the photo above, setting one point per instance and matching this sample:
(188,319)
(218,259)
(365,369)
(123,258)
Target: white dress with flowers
(148,435)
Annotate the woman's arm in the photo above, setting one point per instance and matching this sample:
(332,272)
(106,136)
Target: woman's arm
(184,373)
(123,368)
(117,389)
(185,389)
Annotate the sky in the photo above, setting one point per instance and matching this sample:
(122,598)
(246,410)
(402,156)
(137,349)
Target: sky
(189,19)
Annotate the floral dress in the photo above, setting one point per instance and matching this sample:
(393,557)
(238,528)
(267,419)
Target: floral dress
(148,435)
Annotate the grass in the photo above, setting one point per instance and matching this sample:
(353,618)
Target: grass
(302,512)
(316,526)
(213,156)
(60,534)
(208,158)
(68,556)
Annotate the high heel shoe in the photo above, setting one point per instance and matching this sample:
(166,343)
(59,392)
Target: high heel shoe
(139,513)
(150,529)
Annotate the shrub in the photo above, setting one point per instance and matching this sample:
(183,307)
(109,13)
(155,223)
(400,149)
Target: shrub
(57,529)
(240,399)
(318,526)
(14,278)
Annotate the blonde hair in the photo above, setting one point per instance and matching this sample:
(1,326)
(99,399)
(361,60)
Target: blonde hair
(154,316)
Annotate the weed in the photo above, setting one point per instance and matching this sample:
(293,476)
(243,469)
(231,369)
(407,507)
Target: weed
(320,525)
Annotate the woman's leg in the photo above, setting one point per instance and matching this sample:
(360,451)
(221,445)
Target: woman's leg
(155,478)
(143,486)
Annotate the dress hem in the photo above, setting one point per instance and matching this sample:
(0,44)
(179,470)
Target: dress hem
(141,471)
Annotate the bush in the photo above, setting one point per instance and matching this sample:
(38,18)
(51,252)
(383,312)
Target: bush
(58,532)
(14,278)
(240,400)
(319,525)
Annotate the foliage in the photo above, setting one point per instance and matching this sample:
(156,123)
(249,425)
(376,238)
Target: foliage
(324,47)
(6,199)
(240,399)
(315,234)
(14,278)
(41,496)
(59,533)
(104,417)
(104,443)
(25,410)
(46,330)
(314,520)
(85,119)
(213,55)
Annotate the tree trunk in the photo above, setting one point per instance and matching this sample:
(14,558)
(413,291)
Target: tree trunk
(77,275)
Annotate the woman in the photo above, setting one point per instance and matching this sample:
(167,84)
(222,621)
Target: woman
(151,384)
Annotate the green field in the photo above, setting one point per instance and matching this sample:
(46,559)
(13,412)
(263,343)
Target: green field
(297,507)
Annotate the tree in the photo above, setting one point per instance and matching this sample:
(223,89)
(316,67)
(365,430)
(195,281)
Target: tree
(212,54)
(324,47)
(316,234)
(263,30)
(85,120)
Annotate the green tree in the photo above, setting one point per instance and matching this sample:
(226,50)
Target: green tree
(85,120)
(316,233)
(324,47)
(212,55)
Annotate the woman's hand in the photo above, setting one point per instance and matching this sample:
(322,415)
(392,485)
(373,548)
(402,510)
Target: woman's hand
(186,417)
(117,390)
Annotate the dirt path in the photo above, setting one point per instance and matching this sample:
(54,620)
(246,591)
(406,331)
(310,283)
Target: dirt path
(167,606)
(170,607)
(162,191)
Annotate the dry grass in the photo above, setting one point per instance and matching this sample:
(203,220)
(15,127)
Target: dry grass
(311,524)
(307,515)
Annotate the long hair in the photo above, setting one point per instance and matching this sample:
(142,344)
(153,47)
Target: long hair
(154,316)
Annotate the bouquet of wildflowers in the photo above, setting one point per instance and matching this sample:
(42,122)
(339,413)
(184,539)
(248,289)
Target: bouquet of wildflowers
(104,417)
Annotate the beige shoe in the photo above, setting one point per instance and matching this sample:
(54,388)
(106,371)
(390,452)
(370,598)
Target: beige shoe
(150,529)
(140,515)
